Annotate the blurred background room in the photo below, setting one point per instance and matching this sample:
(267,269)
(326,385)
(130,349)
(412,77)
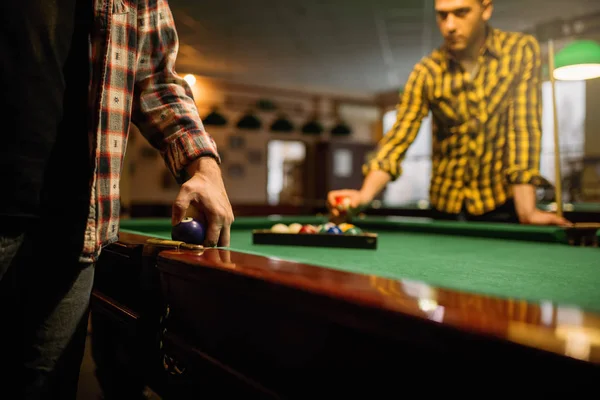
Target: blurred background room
(297,93)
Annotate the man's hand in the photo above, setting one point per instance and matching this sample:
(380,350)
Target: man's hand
(358,201)
(206,192)
(529,214)
(539,217)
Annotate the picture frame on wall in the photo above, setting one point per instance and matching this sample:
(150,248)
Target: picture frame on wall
(236,142)
(255,156)
(236,171)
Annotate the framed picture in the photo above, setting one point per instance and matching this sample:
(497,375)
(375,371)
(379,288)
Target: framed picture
(236,142)
(236,171)
(255,156)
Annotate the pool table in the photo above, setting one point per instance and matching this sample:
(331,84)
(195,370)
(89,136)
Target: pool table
(479,302)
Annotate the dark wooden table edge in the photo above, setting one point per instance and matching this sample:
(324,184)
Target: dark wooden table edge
(367,296)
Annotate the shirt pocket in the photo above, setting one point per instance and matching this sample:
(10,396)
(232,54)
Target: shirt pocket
(500,93)
(448,103)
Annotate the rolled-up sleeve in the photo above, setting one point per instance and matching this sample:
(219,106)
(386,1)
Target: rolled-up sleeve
(163,107)
(524,128)
(411,109)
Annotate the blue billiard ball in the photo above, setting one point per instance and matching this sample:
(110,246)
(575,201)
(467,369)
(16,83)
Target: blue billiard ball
(334,230)
(189,230)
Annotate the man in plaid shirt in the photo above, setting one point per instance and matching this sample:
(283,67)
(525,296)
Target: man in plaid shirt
(76,74)
(483,90)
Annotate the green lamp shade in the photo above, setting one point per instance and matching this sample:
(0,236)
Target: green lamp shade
(579,60)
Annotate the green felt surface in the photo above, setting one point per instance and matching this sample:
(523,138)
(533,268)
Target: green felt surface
(510,261)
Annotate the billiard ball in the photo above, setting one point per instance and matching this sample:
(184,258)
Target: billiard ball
(345,226)
(308,229)
(323,228)
(280,228)
(342,203)
(353,231)
(334,230)
(189,230)
(295,227)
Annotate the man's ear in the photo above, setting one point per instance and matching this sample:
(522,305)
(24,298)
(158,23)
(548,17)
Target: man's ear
(488,9)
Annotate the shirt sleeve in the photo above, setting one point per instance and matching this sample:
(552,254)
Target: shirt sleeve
(524,128)
(411,109)
(163,106)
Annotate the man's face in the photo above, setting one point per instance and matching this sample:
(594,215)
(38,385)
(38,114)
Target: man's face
(462,21)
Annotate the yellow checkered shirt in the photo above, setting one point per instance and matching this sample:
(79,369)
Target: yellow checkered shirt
(486,131)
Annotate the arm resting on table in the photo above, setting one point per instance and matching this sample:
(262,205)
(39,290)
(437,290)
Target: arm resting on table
(524,132)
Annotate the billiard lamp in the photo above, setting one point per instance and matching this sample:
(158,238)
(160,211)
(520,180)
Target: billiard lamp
(578,60)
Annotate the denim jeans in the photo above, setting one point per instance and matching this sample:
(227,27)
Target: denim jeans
(44,301)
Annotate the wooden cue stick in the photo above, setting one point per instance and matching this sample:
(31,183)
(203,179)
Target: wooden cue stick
(557,174)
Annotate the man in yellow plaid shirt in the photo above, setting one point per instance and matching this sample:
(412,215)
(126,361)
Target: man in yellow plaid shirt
(483,89)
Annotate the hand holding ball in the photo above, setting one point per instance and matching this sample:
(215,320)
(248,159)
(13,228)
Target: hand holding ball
(189,230)
(343,204)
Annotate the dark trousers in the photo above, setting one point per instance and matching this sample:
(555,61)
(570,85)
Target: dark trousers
(505,213)
(44,299)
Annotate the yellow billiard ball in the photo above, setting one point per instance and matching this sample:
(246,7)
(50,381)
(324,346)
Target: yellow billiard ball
(345,226)
(295,227)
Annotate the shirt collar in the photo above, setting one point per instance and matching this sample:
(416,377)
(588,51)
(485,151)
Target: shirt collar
(491,46)
(492,43)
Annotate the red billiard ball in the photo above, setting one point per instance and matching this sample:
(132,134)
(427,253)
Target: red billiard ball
(308,229)
(342,203)
(189,230)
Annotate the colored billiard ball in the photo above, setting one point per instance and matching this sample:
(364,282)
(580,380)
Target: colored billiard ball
(334,230)
(323,228)
(342,203)
(345,226)
(189,230)
(353,231)
(308,229)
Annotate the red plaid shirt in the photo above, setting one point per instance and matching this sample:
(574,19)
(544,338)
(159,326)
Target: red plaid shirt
(134,46)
